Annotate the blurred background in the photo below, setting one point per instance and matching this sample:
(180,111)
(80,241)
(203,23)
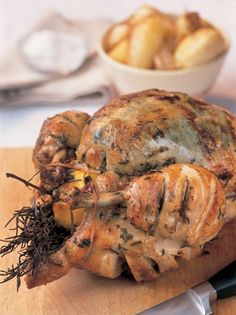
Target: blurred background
(19,125)
(16,17)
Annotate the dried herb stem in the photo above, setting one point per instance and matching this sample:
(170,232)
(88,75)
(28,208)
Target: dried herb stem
(36,236)
(26,182)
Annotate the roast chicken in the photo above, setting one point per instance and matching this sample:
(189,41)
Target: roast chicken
(140,186)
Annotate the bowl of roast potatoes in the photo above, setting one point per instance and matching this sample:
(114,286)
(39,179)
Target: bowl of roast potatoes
(152,49)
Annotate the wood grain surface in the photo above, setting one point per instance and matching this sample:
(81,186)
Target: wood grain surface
(81,292)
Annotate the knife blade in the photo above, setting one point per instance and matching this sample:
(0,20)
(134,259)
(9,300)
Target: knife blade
(196,301)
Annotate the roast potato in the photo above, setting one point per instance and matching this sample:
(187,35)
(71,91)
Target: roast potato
(142,13)
(145,40)
(120,51)
(200,47)
(116,34)
(186,24)
(151,39)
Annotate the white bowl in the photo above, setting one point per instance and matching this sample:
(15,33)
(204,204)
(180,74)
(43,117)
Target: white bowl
(194,81)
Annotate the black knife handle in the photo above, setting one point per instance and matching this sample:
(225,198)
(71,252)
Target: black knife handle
(224,281)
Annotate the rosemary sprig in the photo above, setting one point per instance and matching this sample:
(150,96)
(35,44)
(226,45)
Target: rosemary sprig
(36,236)
(26,182)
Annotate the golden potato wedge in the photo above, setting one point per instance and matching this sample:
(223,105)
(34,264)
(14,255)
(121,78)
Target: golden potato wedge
(115,35)
(186,24)
(147,11)
(146,37)
(164,59)
(120,51)
(142,13)
(199,47)
(169,26)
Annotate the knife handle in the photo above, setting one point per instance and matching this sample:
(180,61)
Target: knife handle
(224,281)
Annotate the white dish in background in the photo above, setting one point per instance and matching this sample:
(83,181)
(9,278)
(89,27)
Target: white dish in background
(54,51)
(195,81)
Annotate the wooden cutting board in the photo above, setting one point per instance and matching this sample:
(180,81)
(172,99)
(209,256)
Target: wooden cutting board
(82,293)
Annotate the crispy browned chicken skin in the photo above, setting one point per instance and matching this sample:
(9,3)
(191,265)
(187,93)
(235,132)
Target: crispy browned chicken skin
(165,184)
(148,130)
(158,219)
(59,137)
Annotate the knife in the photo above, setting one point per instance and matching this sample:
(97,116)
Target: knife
(196,301)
